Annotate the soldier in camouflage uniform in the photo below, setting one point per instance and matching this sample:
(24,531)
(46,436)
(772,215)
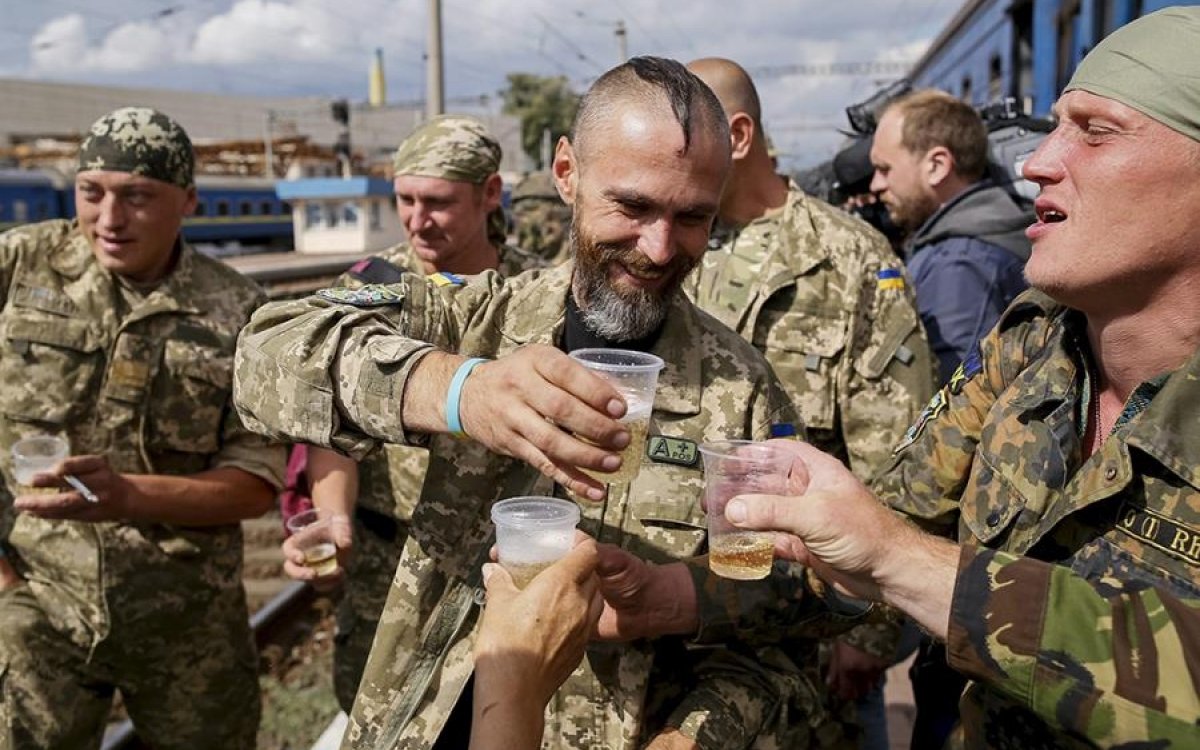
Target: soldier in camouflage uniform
(447,185)
(1062,455)
(119,337)
(355,368)
(541,219)
(821,294)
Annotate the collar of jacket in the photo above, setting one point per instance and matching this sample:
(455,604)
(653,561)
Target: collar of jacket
(537,312)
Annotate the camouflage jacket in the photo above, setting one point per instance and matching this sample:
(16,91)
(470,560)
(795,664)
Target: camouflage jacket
(333,374)
(390,478)
(822,295)
(1083,653)
(145,381)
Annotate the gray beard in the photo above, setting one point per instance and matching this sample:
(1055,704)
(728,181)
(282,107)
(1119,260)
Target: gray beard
(612,316)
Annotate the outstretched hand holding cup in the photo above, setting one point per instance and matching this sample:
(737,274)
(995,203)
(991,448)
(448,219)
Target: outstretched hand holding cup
(739,467)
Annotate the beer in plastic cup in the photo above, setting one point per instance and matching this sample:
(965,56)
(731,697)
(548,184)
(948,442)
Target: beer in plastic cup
(532,533)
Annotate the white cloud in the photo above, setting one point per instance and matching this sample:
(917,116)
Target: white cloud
(256,30)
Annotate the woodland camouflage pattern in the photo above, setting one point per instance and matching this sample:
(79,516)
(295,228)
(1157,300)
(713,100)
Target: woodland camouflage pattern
(1104,648)
(139,141)
(158,610)
(803,286)
(389,483)
(322,372)
(541,220)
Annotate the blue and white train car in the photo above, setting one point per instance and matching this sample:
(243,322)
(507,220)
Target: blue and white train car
(1024,49)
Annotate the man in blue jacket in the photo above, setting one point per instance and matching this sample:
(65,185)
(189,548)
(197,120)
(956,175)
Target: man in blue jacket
(967,248)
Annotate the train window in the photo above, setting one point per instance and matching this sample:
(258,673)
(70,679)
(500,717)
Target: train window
(331,214)
(201,208)
(20,211)
(350,213)
(266,208)
(1068,41)
(995,79)
(966,89)
(222,208)
(375,214)
(285,208)
(312,215)
(245,208)
(43,211)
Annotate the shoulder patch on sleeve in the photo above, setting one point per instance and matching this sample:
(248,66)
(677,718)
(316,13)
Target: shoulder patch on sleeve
(371,295)
(969,368)
(376,270)
(932,410)
(445,278)
(889,278)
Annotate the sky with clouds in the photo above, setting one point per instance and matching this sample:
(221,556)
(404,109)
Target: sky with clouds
(324,47)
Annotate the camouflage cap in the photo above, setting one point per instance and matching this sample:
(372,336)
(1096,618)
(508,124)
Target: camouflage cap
(140,141)
(452,147)
(536,185)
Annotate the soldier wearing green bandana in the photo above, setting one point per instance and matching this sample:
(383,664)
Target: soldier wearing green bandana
(118,337)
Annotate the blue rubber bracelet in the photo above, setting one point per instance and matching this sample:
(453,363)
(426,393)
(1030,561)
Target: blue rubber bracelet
(455,393)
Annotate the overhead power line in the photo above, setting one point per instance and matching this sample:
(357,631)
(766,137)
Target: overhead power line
(833,69)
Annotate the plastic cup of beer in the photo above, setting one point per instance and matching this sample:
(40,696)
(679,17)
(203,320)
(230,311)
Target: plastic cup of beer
(732,468)
(312,532)
(532,533)
(35,455)
(635,376)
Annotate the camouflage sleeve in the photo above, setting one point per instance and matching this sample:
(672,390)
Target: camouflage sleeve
(929,470)
(253,454)
(892,372)
(330,370)
(1114,663)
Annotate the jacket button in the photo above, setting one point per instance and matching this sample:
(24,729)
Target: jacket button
(993,519)
(1110,473)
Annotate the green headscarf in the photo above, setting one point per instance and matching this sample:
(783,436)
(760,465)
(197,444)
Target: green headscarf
(1152,65)
(452,147)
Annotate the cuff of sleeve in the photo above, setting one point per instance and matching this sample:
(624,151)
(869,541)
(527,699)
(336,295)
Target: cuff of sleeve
(381,383)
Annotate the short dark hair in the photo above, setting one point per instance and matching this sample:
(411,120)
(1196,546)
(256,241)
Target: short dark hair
(934,118)
(692,102)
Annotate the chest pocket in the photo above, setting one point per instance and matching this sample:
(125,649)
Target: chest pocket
(665,500)
(989,506)
(49,367)
(191,395)
(804,349)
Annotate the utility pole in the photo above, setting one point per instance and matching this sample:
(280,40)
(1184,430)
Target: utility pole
(622,42)
(435,93)
(268,146)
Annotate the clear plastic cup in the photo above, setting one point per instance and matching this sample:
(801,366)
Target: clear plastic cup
(34,455)
(635,376)
(312,532)
(732,468)
(532,533)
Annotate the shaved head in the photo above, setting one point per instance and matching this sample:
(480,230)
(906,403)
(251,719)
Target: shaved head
(732,85)
(653,84)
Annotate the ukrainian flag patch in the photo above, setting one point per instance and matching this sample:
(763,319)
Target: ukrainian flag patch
(889,278)
(445,278)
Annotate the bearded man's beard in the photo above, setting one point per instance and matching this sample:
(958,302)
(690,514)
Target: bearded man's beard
(620,314)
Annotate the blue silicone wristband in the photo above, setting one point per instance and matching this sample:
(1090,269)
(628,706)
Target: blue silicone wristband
(455,394)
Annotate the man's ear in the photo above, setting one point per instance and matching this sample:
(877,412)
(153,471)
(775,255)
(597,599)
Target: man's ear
(565,169)
(493,192)
(742,133)
(938,165)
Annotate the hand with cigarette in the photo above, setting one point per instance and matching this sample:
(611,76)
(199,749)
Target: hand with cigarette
(90,490)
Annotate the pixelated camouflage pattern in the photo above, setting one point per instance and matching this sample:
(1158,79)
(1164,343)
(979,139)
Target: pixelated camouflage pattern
(450,147)
(336,375)
(143,378)
(389,483)
(801,283)
(1000,466)
(541,220)
(140,141)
